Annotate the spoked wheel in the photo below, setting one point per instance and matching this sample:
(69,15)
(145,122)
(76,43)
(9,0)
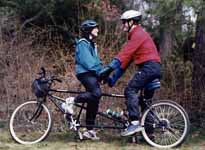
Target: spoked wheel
(30,123)
(166,124)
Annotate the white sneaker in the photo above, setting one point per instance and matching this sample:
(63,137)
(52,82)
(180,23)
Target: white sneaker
(132,128)
(91,134)
(68,107)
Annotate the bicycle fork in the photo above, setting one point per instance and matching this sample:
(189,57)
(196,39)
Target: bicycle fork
(37,112)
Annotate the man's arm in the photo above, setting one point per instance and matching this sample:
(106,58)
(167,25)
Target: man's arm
(126,54)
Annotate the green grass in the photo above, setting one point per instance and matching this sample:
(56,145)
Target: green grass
(66,141)
(196,140)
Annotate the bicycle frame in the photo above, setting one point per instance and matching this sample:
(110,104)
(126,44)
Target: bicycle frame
(122,122)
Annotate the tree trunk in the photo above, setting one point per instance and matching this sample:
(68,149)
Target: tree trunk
(198,102)
(166,44)
(171,24)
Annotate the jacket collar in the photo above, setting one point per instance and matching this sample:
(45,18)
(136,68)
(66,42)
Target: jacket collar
(133,31)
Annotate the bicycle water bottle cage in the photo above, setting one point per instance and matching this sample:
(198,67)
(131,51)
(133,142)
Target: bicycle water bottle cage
(154,84)
(40,87)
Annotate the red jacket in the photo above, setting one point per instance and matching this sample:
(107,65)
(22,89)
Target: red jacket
(140,48)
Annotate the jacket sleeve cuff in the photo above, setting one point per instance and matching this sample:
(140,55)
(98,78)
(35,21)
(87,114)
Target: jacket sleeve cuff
(115,63)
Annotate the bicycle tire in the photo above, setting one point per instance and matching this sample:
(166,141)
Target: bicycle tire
(175,121)
(23,130)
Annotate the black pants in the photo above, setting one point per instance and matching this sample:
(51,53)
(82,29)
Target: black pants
(146,73)
(91,96)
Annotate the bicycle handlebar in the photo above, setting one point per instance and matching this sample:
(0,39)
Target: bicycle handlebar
(49,79)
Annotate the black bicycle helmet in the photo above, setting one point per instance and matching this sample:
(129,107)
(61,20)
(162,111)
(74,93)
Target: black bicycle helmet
(88,25)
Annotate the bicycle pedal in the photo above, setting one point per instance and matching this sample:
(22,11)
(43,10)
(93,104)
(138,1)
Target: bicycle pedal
(135,139)
(74,125)
(80,135)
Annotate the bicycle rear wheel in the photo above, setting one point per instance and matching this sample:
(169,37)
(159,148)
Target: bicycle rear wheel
(169,124)
(30,123)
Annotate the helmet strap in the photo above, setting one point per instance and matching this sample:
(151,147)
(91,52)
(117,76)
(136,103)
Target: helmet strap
(130,26)
(88,35)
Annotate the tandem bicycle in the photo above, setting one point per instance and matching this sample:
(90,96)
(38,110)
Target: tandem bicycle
(31,122)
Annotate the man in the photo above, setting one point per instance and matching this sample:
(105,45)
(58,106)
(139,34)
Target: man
(141,50)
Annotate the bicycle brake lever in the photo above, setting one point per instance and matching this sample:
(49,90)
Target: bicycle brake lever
(42,72)
(58,80)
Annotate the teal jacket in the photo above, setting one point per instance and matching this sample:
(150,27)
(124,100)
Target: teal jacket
(86,57)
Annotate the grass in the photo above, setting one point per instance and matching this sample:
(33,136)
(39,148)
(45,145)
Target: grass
(64,141)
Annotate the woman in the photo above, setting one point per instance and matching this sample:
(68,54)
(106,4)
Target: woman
(88,66)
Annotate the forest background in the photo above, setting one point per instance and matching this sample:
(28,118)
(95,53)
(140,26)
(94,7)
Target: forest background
(35,33)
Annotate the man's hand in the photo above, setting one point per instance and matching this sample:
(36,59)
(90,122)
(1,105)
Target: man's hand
(111,81)
(116,75)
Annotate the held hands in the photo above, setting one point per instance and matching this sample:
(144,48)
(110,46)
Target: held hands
(116,75)
(104,73)
(111,81)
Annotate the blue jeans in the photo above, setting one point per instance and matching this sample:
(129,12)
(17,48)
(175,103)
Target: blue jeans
(91,96)
(147,72)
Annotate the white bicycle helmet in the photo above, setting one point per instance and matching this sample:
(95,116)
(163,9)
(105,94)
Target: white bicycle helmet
(131,14)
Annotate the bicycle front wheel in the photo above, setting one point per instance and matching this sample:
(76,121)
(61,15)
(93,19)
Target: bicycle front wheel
(166,124)
(30,123)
